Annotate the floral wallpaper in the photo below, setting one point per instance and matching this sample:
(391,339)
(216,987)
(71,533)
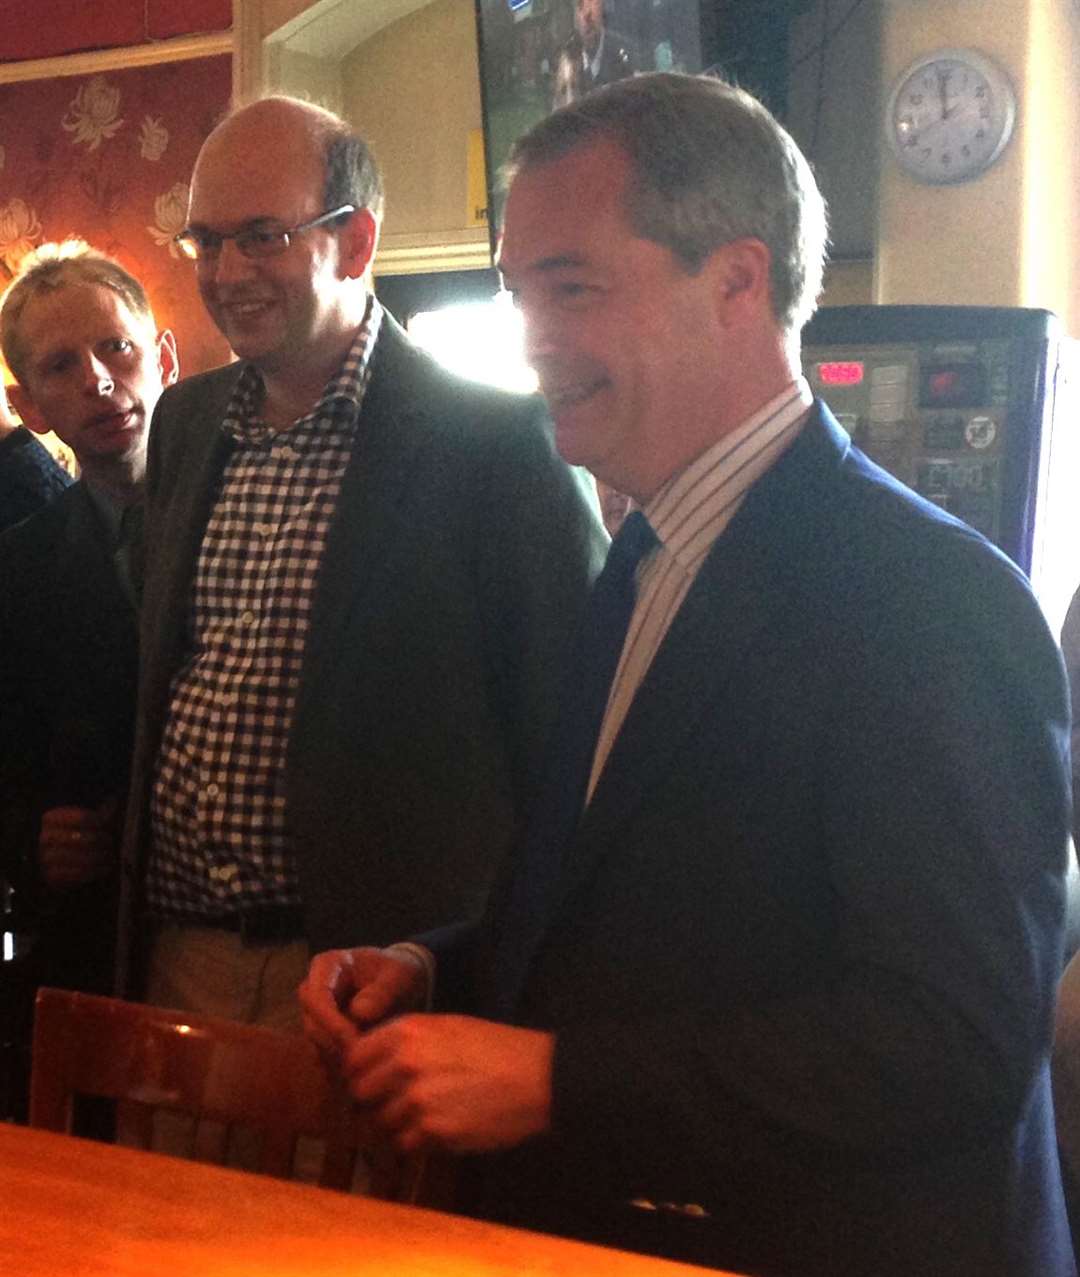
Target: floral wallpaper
(108,157)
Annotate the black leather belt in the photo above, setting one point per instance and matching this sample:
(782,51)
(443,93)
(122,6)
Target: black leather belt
(267,924)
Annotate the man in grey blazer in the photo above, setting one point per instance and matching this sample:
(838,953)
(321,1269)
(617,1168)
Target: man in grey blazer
(362,577)
(777,997)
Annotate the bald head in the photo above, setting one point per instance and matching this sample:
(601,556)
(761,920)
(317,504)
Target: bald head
(266,136)
(280,112)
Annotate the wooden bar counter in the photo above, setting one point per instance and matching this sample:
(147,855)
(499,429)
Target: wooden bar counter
(73,1208)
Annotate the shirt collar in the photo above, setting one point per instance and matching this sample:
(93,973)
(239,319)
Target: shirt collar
(594,61)
(241,419)
(694,506)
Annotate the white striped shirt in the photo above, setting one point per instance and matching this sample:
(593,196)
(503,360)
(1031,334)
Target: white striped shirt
(688,513)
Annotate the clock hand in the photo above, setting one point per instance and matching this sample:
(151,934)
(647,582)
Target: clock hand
(943,88)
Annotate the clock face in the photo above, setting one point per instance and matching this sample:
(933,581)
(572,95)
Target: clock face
(950,116)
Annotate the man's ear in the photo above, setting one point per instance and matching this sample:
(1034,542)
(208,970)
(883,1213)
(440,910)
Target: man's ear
(359,238)
(742,274)
(19,398)
(168,360)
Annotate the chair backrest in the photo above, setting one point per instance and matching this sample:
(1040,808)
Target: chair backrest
(235,1077)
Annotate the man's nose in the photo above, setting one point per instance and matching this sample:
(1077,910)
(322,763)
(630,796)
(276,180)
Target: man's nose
(229,264)
(541,333)
(97,378)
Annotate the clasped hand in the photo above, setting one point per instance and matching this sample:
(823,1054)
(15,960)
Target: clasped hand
(449,1082)
(78,844)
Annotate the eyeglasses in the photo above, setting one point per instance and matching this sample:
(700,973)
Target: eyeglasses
(252,240)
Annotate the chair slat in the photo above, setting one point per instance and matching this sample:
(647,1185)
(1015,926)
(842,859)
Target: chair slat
(151,1060)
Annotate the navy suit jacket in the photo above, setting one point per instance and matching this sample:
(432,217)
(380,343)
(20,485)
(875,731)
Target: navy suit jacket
(458,561)
(802,960)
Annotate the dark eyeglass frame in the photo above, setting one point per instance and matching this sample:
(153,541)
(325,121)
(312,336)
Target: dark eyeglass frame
(250,240)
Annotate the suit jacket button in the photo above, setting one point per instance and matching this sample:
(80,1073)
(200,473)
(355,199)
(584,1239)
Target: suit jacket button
(691,1210)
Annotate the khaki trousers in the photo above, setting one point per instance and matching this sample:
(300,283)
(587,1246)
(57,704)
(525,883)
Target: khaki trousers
(208,971)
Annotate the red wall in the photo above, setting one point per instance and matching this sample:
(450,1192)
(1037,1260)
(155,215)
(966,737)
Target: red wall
(107,157)
(48,28)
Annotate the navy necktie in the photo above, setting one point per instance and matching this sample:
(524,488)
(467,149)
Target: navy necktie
(539,854)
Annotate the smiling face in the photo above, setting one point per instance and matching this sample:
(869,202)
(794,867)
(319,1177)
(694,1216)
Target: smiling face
(624,340)
(293,311)
(93,373)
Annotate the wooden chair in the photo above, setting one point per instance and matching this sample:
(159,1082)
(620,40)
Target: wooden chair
(237,1077)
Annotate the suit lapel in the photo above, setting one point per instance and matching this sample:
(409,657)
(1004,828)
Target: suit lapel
(87,581)
(725,610)
(196,491)
(174,538)
(373,491)
(747,578)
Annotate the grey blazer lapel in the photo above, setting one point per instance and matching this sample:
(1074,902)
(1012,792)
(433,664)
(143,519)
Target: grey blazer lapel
(195,489)
(374,489)
(190,471)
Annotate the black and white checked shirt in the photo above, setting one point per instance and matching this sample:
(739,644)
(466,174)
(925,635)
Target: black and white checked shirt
(219,821)
(688,514)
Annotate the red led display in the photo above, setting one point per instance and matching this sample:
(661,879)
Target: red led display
(847,373)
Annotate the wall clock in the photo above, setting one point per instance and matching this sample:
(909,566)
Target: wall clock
(950,116)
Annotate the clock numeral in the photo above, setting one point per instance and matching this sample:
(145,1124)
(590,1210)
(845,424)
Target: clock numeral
(917,99)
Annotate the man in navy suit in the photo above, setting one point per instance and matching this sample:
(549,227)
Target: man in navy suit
(781,1000)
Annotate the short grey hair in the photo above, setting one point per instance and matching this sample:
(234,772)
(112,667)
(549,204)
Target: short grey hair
(52,266)
(709,165)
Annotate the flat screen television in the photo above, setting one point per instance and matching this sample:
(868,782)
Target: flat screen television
(537,54)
